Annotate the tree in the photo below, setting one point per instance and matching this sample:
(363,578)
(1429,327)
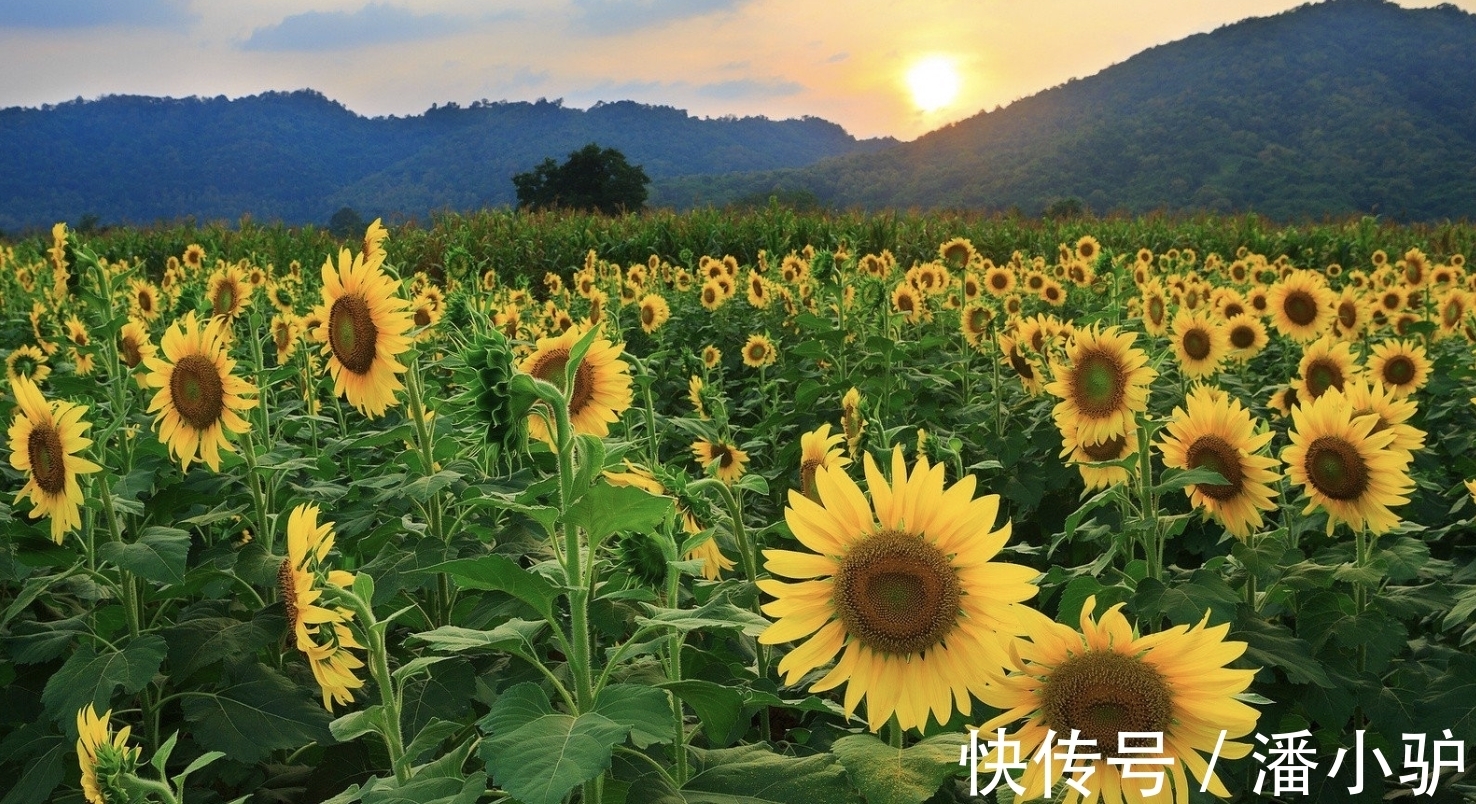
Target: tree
(592,179)
(346,223)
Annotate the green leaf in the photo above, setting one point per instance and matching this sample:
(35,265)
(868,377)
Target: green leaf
(194,644)
(433,790)
(753,774)
(1186,602)
(515,708)
(442,694)
(1273,645)
(1175,479)
(717,707)
(434,733)
(90,677)
(646,710)
(716,613)
(540,762)
(513,636)
(159,555)
(494,573)
(607,509)
(358,723)
(259,713)
(41,777)
(887,775)
(1451,695)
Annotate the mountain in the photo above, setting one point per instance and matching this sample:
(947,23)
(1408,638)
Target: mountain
(299,156)
(1346,106)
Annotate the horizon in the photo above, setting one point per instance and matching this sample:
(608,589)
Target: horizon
(869,73)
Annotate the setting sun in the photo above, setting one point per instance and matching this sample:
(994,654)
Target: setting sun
(934,83)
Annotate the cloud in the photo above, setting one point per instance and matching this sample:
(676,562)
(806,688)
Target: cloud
(623,16)
(750,88)
(93,13)
(374,24)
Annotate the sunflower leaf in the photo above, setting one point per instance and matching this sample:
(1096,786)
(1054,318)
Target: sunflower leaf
(754,774)
(91,677)
(541,761)
(495,573)
(159,555)
(717,707)
(261,711)
(607,509)
(887,775)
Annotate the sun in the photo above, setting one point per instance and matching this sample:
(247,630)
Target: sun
(934,82)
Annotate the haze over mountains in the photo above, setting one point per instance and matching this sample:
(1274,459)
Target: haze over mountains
(1347,106)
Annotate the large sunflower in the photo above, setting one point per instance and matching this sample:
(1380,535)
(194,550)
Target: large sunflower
(198,397)
(1301,306)
(1346,468)
(45,438)
(1200,343)
(322,634)
(1400,365)
(601,389)
(366,329)
(903,587)
(1102,385)
(1215,432)
(1104,682)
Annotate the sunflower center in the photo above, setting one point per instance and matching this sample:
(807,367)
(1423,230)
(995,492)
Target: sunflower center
(145,301)
(196,390)
(1242,336)
(897,593)
(1100,384)
(225,298)
(289,591)
(807,477)
(978,319)
(1215,454)
(1348,314)
(132,354)
(1020,364)
(1337,469)
(1103,694)
(551,369)
(48,464)
(1156,309)
(423,315)
(999,281)
(352,333)
(1399,370)
(1197,344)
(1109,450)
(1323,374)
(1300,307)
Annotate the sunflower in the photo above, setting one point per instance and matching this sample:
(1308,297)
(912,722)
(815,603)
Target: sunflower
(1452,310)
(1400,365)
(601,387)
(1089,456)
(694,393)
(1369,396)
(1247,337)
(654,312)
(759,351)
(1053,293)
(711,356)
(758,290)
(1155,303)
(817,451)
(26,362)
(45,438)
(1105,682)
(366,327)
(1215,432)
(194,256)
(134,345)
(99,749)
(975,321)
(143,299)
(1200,343)
(957,252)
(228,292)
(1351,314)
(712,295)
(1345,467)
(1326,364)
(730,460)
(322,634)
(907,301)
(903,587)
(286,329)
(999,281)
(1019,357)
(1102,385)
(198,397)
(1301,306)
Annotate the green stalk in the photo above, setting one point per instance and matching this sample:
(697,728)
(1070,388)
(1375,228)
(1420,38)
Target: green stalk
(1148,504)
(389,697)
(674,673)
(445,599)
(258,497)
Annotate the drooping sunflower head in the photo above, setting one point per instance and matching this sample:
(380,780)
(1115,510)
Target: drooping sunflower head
(1214,432)
(1102,385)
(199,399)
(600,390)
(45,439)
(1345,468)
(321,633)
(817,451)
(366,327)
(104,757)
(1400,365)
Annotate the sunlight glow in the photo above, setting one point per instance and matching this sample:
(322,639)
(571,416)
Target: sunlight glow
(934,82)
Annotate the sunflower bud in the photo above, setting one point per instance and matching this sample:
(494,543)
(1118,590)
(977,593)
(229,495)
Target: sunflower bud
(500,395)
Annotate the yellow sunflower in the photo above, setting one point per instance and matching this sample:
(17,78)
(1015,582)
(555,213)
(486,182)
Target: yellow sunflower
(1301,306)
(957,252)
(853,423)
(1367,395)
(286,329)
(975,321)
(711,356)
(1200,343)
(654,312)
(1452,310)
(366,328)
(601,387)
(143,299)
(1351,314)
(26,362)
(45,438)
(1087,248)
(198,399)
(730,460)
(1217,433)
(99,748)
(1400,365)
(228,292)
(1088,457)
(194,256)
(323,635)
(134,346)
(1283,400)
(759,352)
(712,294)
(817,451)
(1326,364)
(758,290)
(907,301)
(1104,682)
(999,281)
(902,587)
(694,393)
(1247,337)
(1102,385)
(1346,468)
(1020,358)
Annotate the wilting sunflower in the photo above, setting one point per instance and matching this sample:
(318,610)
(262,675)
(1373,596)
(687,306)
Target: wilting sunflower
(601,387)
(759,351)
(1089,456)
(45,438)
(730,460)
(1347,470)
(903,587)
(322,634)
(1247,337)
(1326,364)
(654,312)
(1105,681)
(817,451)
(1200,343)
(1301,306)
(198,399)
(1400,365)
(26,362)
(366,328)
(99,749)
(1213,431)
(1102,385)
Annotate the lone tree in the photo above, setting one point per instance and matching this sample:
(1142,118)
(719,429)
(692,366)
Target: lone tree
(593,179)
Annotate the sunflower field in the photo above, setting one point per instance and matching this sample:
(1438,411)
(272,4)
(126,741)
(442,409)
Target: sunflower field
(752,507)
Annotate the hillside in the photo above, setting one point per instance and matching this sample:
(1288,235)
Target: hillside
(1347,106)
(299,156)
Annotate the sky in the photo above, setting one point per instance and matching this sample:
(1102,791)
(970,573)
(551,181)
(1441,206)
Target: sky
(846,61)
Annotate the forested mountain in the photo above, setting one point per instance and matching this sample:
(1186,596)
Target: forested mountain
(1346,106)
(299,156)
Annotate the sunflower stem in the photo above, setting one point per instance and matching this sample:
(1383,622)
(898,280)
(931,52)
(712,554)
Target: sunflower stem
(389,698)
(425,440)
(258,499)
(674,674)
(894,733)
